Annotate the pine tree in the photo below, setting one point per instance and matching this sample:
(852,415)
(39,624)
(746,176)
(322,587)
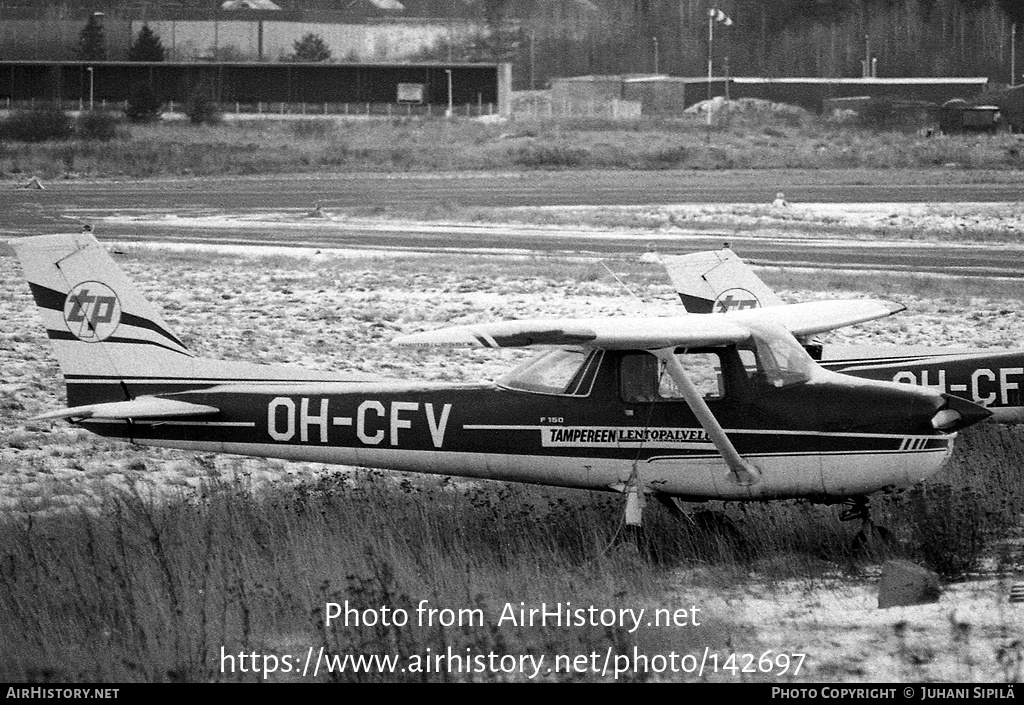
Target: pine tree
(147,46)
(92,43)
(144,105)
(311,48)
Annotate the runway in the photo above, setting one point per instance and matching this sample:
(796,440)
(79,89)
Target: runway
(63,205)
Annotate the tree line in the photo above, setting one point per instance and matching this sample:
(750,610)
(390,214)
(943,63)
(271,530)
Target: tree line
(817,38)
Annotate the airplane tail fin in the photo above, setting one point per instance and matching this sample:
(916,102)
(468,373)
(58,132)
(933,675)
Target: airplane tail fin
(717,282)
(107,337)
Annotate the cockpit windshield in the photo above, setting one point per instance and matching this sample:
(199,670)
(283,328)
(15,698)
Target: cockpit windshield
(564,371)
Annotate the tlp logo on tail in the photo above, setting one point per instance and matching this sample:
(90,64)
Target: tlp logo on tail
(92,312)
(735,299)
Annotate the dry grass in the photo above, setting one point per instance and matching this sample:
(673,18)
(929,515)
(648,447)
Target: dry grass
(316,144)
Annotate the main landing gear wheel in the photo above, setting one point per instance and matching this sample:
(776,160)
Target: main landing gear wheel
(716,526)
(870,536)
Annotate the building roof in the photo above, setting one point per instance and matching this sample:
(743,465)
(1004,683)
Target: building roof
(249,5)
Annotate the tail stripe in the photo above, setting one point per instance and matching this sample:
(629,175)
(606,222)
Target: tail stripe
(65,335)
(53,300)
(139,322)
(47,298)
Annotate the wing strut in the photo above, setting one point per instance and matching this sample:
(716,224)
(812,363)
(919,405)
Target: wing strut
(742,472)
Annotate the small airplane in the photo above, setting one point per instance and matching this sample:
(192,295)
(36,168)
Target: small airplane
(687,408)
(719,281)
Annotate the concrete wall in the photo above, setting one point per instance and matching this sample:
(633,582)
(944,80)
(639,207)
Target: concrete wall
(583,89)
(811,93)
(666,95)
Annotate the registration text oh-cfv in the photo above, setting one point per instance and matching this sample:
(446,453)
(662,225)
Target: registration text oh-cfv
(374,421)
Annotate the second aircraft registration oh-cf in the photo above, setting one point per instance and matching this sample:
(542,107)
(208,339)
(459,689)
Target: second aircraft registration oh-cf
(692,407)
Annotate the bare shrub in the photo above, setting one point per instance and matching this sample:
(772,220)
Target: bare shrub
(202,107)
(549,156)
(40,124)
(98,126)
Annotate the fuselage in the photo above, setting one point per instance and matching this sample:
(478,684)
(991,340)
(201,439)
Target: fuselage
(593,421)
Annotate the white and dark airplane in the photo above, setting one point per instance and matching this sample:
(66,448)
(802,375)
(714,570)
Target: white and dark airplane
(719,281)
(692,408)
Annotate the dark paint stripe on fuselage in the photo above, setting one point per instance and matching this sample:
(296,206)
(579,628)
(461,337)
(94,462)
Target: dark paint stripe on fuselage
(994,380)
(519,423)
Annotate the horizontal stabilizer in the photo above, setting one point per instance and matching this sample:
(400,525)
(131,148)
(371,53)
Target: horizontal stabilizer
(654,333)
(140,408)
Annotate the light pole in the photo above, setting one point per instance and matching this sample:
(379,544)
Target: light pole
(89,69)
(448,113)
(1013,54)
(655,54)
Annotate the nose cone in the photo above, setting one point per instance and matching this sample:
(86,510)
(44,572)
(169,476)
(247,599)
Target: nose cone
(957,414)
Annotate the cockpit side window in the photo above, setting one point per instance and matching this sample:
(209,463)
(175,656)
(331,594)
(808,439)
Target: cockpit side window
(565,372)
(643,378)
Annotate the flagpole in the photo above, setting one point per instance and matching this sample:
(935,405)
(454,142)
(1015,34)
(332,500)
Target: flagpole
(711,39)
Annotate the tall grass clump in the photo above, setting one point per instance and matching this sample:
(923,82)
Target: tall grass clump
(549,156)
(960,521)
(42,123)
(97,126)
(314,128)
(156,590)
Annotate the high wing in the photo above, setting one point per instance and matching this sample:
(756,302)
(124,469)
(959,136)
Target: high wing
(782,359)
(655,333)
